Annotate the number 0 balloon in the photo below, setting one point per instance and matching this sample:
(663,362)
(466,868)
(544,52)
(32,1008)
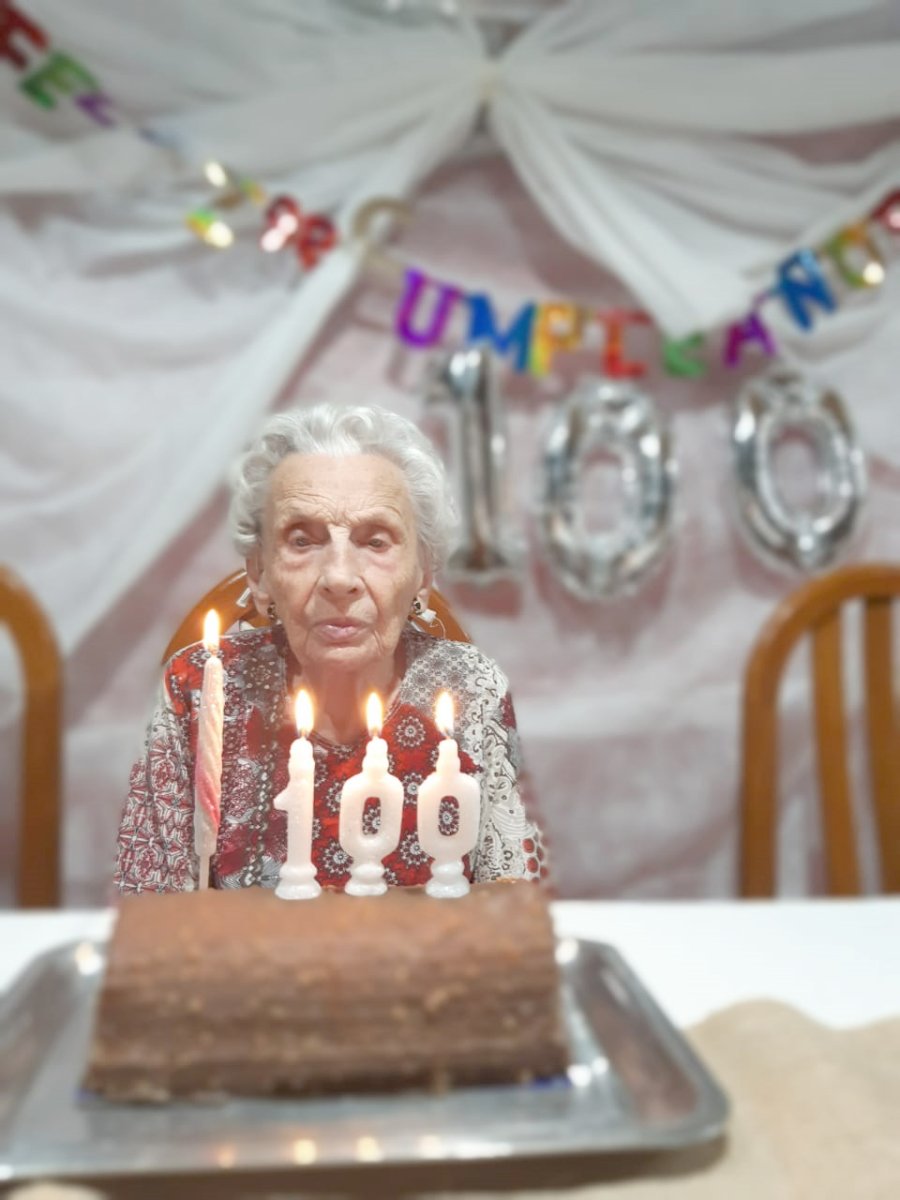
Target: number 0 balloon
(617,419)
(767,410)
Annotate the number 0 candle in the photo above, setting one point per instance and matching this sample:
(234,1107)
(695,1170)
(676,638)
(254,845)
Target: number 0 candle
(208,767)
(447,781)
(297,878)
(368,849)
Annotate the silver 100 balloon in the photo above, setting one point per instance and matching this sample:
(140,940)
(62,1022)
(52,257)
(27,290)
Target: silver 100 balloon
(615,419)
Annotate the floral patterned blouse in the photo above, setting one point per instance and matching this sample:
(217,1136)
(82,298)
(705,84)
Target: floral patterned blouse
(155,844)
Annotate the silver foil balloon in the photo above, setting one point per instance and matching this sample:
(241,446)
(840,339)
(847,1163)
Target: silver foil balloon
(768,409)
(618,420)
(465,381)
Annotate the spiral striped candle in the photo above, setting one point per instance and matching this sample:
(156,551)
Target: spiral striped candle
(208,765)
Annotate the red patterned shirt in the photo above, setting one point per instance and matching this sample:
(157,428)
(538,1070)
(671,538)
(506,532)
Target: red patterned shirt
(155,845)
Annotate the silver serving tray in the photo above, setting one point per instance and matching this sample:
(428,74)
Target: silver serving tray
(633,1084)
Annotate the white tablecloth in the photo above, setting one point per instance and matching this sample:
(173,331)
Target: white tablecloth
(835,960)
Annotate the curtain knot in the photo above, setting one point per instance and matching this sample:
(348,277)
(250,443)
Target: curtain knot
(490,78)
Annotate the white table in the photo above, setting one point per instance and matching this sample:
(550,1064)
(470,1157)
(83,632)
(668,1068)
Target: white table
(835,960)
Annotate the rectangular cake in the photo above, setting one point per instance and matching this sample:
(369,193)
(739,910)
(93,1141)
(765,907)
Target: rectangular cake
(241,993)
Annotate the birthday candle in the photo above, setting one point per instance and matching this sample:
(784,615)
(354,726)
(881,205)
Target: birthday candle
(208,767)
(368,849)
(447,780)
(297,877)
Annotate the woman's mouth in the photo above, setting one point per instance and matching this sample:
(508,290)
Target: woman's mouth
(338,631)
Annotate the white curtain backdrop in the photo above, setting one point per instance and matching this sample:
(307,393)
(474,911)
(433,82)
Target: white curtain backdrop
(666,156)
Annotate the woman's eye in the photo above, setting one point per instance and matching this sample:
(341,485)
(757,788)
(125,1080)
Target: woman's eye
(299,540)
(378,542)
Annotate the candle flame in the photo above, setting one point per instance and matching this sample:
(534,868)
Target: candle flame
(303,712)
(374,715)
(443,714)
(211,631)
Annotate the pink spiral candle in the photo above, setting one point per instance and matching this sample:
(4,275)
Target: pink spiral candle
(208,766)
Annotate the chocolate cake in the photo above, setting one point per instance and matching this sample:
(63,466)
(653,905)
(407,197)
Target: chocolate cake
(241,993)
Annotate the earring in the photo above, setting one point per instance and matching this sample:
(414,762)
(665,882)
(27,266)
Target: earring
(418,609)
(272,611)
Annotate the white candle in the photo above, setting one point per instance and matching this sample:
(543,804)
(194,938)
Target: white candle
(208,766)
(374,782)
(297,877)
(447,849)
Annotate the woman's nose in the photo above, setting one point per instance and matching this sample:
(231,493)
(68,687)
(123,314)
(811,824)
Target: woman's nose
(339,569)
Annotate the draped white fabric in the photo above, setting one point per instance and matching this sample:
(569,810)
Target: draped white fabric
(136,360)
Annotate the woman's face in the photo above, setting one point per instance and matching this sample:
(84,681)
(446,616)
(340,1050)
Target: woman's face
(340,560)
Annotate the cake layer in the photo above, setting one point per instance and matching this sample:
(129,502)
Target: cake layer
(240,993)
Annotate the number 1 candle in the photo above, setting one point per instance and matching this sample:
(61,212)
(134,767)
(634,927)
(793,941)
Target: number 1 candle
(297,878)
(368,849)
(208,767)
(447,782)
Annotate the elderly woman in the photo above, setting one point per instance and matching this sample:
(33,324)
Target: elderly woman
(343,516)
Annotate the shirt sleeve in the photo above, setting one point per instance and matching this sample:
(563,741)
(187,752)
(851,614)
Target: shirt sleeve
(510,844)
(155,843)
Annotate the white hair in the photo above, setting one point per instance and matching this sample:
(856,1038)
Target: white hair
(340,432)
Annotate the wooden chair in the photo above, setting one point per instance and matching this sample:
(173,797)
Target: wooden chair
(37,862)
(815,609)
(232,601)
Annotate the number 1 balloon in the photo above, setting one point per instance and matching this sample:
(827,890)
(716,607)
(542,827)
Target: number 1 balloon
(466,382)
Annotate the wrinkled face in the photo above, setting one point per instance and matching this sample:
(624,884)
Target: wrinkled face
(339,559)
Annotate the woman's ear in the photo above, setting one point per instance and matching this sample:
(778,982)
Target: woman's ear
(424,589)
(256,577)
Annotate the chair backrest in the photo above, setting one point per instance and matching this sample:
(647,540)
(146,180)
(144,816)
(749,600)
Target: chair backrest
(232,601)
(815,609)
(38,857)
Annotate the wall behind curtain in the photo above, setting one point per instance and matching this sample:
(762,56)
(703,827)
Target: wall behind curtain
(628,711)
